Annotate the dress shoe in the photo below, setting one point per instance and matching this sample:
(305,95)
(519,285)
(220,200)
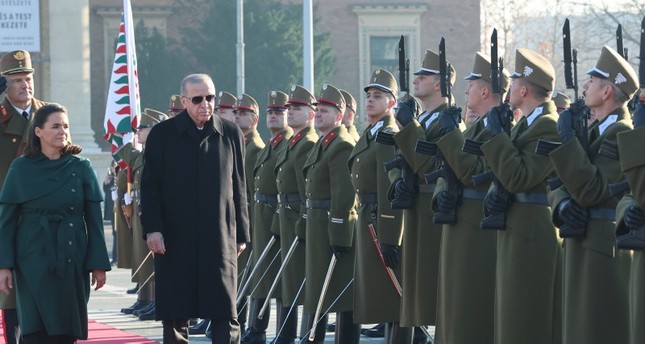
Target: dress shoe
(149,315)
(138,312)
(331,327)
(137,305)
(200,328)
(254,338)
(378,331)
(134,290)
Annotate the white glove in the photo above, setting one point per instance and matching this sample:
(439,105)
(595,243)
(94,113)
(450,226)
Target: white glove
(127,198)
(114,195)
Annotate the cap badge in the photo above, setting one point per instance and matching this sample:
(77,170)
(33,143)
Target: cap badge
(274,93)
(528,70)
(620,78)
(221,93)
(324,87)
(293,88)
(19,55)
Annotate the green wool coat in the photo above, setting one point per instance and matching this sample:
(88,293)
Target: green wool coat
(596,275)
(466,291)
(291,181)
(51,235)
(265,218)
(375,297)
(421,236)
(528,283)
(327,179)
(123,231)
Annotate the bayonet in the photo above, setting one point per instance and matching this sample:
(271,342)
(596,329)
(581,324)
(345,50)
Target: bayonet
(641,57)
(619,41)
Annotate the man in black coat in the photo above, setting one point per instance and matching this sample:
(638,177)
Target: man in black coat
(194,214)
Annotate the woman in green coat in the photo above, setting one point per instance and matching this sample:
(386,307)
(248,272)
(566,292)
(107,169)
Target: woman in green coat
(51,233)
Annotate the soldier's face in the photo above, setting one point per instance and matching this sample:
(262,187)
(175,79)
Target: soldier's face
(474,94)
(55,132)
(299,116)
(226,113)
(142,135)
(595,91)
(377,102)
(201,112)
(515,98)
(20,88)
(328,117)
(245,119)
(276,119)
(424,85)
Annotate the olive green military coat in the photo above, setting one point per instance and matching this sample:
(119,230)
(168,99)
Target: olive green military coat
(13,139)
(123,231)
(142,263)
(466,291)
(421,236)
(528,283)
(376,300)
(253,143)
(596,275)
(327,179)
(632,162)
(265,218)
(291,182)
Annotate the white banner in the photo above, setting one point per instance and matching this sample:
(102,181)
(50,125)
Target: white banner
(20,25)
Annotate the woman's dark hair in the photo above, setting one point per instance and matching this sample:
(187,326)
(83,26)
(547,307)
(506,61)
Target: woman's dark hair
(40,117)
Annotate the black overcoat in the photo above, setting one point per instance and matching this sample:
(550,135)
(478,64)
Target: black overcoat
(193,191)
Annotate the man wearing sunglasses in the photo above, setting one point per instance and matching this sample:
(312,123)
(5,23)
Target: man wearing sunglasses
(194,214)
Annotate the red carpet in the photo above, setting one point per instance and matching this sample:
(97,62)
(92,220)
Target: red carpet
(104,334)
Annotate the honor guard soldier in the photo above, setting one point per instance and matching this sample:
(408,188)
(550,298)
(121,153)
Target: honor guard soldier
(292,211)
(175,106)
(377,294)
(142,260)
(266,228)
(561,101)
(15,114)
(467,281)
(331,219)
(350,115)
(528,250)
(225,106)
(422,237)
(596,275)
(630,219)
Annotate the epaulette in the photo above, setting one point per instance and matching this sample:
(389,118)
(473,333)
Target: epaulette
(3,110)
(328,138)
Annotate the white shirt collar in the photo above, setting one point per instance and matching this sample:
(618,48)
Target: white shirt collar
(611,119)
(376,127)
(431,119)
(534,115)
(28,109)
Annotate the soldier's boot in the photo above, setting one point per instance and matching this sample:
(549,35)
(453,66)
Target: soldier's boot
(419,337)
(10,326)
(321,329)
(200,328)
(346,331)
(145,294)
(395,334)
(287,326)
(257,327)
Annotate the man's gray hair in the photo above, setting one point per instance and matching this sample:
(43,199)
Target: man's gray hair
(194,79)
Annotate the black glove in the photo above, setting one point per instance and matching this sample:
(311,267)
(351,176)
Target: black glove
(634,217)
(338,250)
(639,116)
(407,111)
(390,255)
(494,203)
(573,214)
(448,120)
(446,202)
(3,83)
(497,116)
(401,190)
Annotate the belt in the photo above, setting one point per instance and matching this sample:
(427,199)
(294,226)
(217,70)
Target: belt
(318,203)
(602,214)
(368,199)
(266,198)
(474,194)
(427,188)
(531,198)
(289,198)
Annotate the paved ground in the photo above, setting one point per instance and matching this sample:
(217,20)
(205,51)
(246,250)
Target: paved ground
(105,306)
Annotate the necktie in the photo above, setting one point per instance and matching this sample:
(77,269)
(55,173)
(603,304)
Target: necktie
(25,114)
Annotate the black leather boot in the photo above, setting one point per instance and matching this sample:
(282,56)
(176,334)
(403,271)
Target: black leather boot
(257,328)
(200,328)
(145,309)
(378,331)
(289,326)
(134,290)
(149,314)
(321,329)
(395,334)
(346,331)
(136,306)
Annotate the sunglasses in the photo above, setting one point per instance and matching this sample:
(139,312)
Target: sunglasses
(199,99)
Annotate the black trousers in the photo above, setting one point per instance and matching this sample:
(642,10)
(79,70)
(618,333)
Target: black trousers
(42,338)
(222,331)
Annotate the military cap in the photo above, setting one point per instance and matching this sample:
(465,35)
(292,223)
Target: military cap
(350,102)
(383,80)
(482,70)
(225,100)
(534,68)
(613,67)
(330,95)
(561,100)
(299,95)
(246,102)
(430,66)
(277,100)
(175,103)
(150,117)
(18,61)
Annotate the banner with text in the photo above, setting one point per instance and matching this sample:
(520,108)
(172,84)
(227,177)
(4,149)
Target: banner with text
(20,25)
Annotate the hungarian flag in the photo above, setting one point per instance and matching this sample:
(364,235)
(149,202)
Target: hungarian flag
(123,106)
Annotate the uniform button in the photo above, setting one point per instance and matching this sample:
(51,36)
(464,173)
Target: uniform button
(71,224)
(70,243)
(73,190)
(71,208)
(69,260)
(73,174)
(358,159)
(356,175)
(280,169)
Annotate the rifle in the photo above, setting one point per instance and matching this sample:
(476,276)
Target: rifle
(641,57)
(619,42)
(382,137)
